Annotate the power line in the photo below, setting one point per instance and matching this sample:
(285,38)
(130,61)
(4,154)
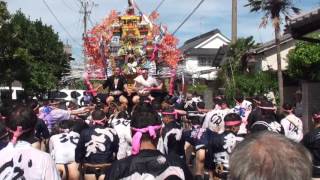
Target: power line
(52,13)
(69,7)
(157,8)
(76,2)
(187,18)
(91,22)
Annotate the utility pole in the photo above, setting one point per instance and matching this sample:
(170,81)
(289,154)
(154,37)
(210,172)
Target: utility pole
(234,27)
(84,10)
(86,7)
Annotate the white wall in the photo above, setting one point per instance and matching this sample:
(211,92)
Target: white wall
(270,60)
(191,63)
(269,57)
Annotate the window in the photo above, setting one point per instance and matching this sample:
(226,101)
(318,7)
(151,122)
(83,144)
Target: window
(204,61)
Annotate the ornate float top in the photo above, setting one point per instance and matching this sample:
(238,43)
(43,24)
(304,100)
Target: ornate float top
(131,41)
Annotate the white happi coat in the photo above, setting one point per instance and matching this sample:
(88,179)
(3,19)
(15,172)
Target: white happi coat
(293,128)
(62,147)
(243,109)
(122,127)
(214,120)
(23,162)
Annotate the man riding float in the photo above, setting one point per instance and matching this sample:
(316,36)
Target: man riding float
(144,85)
(117,85)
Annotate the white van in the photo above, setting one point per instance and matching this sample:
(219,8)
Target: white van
(66,94)
(16,92)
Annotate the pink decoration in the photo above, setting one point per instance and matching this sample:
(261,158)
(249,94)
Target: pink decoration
(89,85)
(136,139)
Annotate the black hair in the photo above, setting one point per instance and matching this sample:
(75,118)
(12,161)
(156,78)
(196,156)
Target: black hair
(144,116)
(33,103)
(287,106)
(98,115)
(123,114)
(156,105)
(232,117)
(315,116)
(79,126)
(25,117)
(267,104)
(65,124)
(239,97)
(201,105)
(169,109)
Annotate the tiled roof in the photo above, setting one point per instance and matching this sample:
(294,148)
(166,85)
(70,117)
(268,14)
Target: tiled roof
(304,23)
(271,44)
(193,42)
(202,51)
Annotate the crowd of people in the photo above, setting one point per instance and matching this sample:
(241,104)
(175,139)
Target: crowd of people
(130,135)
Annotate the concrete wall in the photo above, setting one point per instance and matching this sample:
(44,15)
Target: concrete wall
(289,94)
(310,103)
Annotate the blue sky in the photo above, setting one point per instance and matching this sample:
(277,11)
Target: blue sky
(211,14)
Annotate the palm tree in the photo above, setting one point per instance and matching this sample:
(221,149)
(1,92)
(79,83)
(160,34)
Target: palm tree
(234,21)
(274,10)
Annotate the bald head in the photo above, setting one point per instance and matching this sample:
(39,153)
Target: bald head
(269,156)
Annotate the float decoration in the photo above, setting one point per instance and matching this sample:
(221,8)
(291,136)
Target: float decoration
(129,41)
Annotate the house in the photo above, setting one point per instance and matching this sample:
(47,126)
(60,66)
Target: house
(200,54)
(202,57)
(265,55)
(303,24)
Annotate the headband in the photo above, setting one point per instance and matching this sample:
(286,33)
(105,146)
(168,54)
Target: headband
(136,139)
(232,123)
(316,117)
(267,108)
(99,122)
(175,113)
(17,133)
(287,111)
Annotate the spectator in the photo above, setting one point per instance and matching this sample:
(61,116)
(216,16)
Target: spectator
(18,159)
(269,156)
(267,120)
(312,142)
(291,124)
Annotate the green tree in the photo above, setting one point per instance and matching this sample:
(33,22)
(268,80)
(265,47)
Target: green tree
(237,54)
(304,61)
(274,9)
(4,13)
(13,56)
(236,61)
(235,75)
(32,53)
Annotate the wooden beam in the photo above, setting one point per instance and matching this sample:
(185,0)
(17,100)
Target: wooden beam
(308,39)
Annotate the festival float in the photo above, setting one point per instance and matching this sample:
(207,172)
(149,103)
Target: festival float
(132,41)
